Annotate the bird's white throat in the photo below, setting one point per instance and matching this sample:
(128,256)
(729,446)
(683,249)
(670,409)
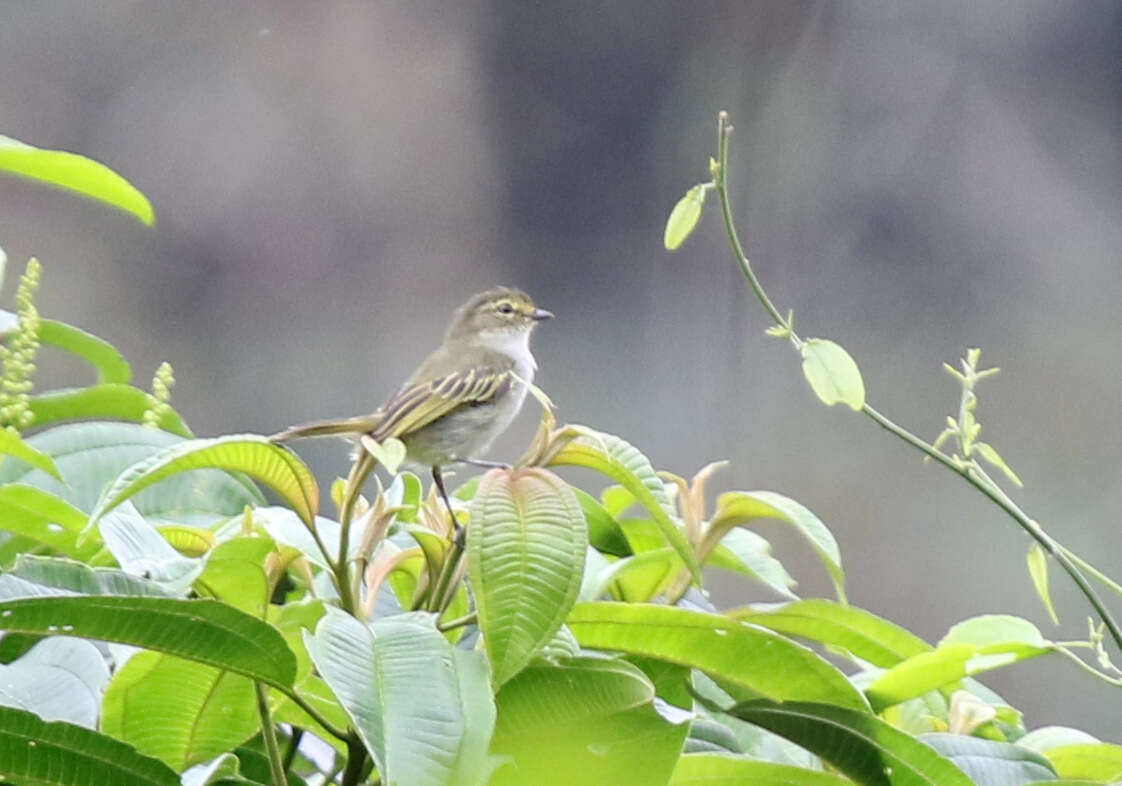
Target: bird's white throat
(515,344)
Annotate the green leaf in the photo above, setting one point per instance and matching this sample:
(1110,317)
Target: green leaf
(11,444)
(180,712)
(37,514)
(738,655)
(740,508)
(638,577)
(971,647)
(991,456)
(90,455)
(1100,762)
(560,723)
(423,710)
(604,532)
(1038,570)
(57,679)
(55,754)
(78,578)
(711,769)
(526,544)
(100,402)
(275,466)
(110,364)
(683,218)
(200,630)
(855,630)
(860,745)
(832,374)
(623,463)
(1047,737)
(75,173)
(749,554)
(991,762)
(235,574)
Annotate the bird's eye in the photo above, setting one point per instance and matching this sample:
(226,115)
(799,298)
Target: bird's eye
(506,308)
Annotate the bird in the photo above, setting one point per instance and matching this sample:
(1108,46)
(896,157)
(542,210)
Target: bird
(462,396)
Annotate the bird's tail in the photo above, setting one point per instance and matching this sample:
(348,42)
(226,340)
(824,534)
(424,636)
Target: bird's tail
(328,428)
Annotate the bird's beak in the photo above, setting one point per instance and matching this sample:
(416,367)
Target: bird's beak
(538,314)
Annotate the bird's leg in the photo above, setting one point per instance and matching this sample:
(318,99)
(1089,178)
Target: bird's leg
(485,463)
(438,479)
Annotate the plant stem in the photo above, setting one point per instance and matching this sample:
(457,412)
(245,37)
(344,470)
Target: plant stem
(315,715)
(356,760)
(967,470)
(293,748)
(459,622)
(362,467)
(269,734)
(436,601)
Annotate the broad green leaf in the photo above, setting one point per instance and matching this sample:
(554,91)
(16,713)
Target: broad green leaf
(205,631)
(38,753)
(101,402)
(623,463)
(740,508)
(90,455)
(37,514)
(68,576)
(855,630)
(749,554)
(275,466)
(707,735)
(604,532)
(1100,762)
(110,364)
(861,746)
(832,374)
(683,218)
(235,574)
(1038,570)
(526,544)
(743,656)
(970,647)
(711,769)
(991,762)
(57,679)
(11,444)
(560,723)
(637,577)
(142,551)
(75,173)
(423,710)
(1047,737)
(178,711)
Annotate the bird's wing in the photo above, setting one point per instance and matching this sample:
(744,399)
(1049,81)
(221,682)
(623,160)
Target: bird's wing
(418,405)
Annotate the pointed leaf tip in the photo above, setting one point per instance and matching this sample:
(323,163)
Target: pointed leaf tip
(832,373)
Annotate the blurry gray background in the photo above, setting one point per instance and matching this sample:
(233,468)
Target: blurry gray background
(331,179)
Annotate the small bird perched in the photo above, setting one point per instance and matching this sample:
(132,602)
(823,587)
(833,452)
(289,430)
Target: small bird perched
(463,395)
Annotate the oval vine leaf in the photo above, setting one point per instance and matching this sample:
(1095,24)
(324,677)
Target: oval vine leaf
(860,745)
(51,754)
(1100,762)
(988,761)
(75,173)
(110,364)
(100,402)
(626,465)
(708,769)
(200,630)
(275,466)
(423,710)
(832,373)
(526,544)
(11,444)
(684,217)
(1038,570)
(759,662)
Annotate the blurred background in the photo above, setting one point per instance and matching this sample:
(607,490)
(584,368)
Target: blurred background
(331,179)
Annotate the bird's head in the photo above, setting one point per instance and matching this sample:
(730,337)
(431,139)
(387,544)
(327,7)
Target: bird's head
(497,312)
